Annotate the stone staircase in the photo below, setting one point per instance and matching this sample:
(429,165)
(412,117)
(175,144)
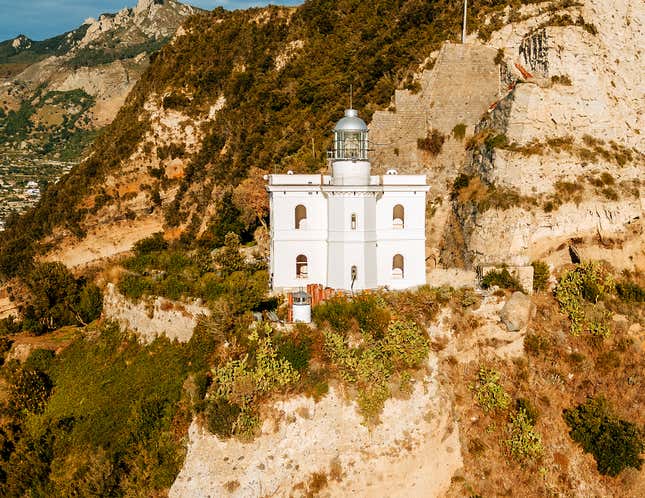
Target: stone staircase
(458,89)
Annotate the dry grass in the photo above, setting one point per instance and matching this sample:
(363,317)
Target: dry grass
(559,371)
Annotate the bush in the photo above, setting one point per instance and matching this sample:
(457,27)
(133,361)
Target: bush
(366,311)
(295,348)
(489,393)
(459,131)
(541,274)
(432,143)
(90,303)
(9,325)
(371,366)
(501,278)
(154,243)
(588,282)
(615,444)
(627,291)
(221,416)
(40,360)
(244,382)
(29,390)
(524,442)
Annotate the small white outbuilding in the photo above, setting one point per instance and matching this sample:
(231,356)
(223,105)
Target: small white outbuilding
(348,229)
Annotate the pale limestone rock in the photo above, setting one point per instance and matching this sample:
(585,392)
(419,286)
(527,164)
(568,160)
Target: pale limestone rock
(154,317)
(516,313)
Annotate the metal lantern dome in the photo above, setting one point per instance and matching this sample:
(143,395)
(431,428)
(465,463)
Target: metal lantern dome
(351,122)
(350,138)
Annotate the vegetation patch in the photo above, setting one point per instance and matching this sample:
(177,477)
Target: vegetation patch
(580,293)
(489,392)
(459,131)
(113,424)
(615,444)
(524,442)
(541,275)
(502,279)
(432,143)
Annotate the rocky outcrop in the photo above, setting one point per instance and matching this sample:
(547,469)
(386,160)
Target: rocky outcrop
(516,313)
(104,58)
(576,117)
(153,317)
(413,452)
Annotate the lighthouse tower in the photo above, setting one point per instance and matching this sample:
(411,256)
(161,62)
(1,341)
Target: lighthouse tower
(348,229)
(351,209)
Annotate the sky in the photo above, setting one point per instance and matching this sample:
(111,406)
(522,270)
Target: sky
(40,19)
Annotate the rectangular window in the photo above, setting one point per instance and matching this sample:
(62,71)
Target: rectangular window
(353,221)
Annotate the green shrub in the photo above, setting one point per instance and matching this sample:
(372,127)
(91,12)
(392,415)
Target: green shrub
(29,390)
(615,444)
(221,416)
(134,286)
(40,360)
(90,303)
(501,278)
(10,325)
(432,143)
(489,393)
(541,274)
(296,349)
(243,382)
(365,310)
(588,282)
(524,442)
(154,243)
(459,131)
(530,410)
(371,366)
(629,292)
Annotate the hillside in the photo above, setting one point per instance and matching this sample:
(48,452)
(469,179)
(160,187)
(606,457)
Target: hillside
(56,94)
(153,361)
(203,113)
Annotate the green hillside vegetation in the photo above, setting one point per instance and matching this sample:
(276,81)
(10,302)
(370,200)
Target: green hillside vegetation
(38,50)
(271,117)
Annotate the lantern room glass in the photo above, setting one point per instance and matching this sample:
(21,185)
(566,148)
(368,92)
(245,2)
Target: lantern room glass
(351,145)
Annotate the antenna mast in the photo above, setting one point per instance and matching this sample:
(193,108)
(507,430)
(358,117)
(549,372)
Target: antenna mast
(351,96)
(463,34)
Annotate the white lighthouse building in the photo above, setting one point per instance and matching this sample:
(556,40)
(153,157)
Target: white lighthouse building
(348,229)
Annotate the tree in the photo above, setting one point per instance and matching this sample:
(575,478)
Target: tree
(229,258)
(251,198)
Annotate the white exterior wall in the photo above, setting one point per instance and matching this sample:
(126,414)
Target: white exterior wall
(352,247)
(330,244)
(287,242)
(408,241)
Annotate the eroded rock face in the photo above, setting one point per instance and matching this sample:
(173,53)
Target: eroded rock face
(577,119)
(154,317)
(413,452)
(516,313)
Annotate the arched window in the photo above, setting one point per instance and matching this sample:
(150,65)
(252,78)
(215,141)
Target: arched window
(302,270)
(301,217)
(398,216)
(397,267)
(354,221)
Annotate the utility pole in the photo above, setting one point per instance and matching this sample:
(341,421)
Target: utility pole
(463,35)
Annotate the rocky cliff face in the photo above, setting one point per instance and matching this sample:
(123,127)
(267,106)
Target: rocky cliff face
(569,144)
